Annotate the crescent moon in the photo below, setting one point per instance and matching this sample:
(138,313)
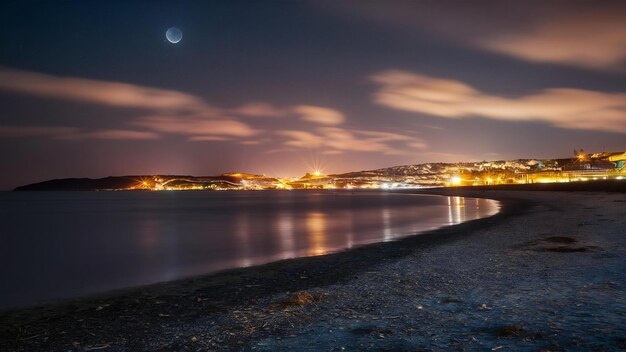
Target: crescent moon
(174,35)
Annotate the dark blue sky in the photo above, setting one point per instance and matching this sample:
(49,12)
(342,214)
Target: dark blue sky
(90,89)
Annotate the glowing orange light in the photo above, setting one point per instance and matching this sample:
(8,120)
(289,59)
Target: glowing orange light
(455,180)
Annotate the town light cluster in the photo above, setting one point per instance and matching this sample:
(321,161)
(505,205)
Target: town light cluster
(583,167)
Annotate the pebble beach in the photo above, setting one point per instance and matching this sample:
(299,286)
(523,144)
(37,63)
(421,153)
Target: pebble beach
(545,274)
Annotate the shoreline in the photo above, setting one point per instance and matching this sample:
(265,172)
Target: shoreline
(95,321)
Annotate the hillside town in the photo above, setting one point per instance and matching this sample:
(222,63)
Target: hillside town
(582,167)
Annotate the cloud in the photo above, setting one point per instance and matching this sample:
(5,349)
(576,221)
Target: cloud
(174,111)
(72,133)
(115,94)
(171,112)
(179,113)
(379,136)
(320,115)
(337,140)
(311,113)
(594,39)
(587,34)
(194,126)
(112,134)
(280,150)
(561,107)
(164,101)
(208,139)
(302,139)
(345,140)
(417,145)
(332,152)
(36,131)
(258,109)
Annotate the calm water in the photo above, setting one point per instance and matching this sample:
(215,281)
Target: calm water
(66,244)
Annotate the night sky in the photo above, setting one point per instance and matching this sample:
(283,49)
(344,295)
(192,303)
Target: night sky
(93,88)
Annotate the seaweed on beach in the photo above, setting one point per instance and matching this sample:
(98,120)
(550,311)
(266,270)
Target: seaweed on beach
(299,299)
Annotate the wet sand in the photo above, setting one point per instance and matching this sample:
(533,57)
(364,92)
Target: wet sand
(548,272)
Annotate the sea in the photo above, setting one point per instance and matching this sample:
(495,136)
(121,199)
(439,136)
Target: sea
(61,245)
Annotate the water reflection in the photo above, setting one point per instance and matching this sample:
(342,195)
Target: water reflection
(316,227)
(349,218)
(153,236)
(148,235)
(456,210)
(242,231)
(286,233)
(386,215)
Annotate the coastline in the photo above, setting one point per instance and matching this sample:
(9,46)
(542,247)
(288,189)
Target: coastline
(256,307)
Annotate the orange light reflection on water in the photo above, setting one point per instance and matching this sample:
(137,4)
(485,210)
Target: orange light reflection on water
(316,227)
(456,210)
(286,234)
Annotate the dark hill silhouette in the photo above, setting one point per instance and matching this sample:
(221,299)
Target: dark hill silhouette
(81,184)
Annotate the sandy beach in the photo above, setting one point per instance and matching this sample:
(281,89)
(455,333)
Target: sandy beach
(546,273)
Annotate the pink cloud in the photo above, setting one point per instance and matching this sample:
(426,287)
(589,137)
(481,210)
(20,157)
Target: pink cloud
(311,113)
(336,140)
(258,109)
(561,107)
(342,139)
(112,134)
(590,39)
(384,136)
(72,133)
(108,93)
(172,112)
(332,152)
(177,112)
(320,115)
(301,139)
(196,126)
(587,34)
(36,131)
(208,139)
